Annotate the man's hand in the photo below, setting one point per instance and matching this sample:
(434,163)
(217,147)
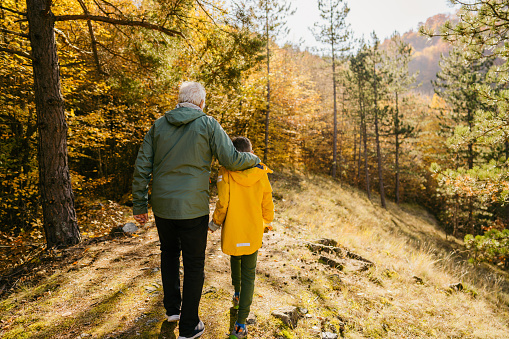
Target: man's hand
(141,218)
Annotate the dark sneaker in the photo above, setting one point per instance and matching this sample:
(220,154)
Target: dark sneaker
(197,332)
(239,331)
(173,318)
(235,301)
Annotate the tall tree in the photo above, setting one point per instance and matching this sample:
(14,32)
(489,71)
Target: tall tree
(270,20)
(400,81)
(375,60)
(360,77)
(334,32)
(456,84)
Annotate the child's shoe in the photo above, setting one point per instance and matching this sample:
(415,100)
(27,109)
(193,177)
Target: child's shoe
(239,331)
(235,300)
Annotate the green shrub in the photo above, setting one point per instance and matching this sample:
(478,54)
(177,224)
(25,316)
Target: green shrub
(491,247)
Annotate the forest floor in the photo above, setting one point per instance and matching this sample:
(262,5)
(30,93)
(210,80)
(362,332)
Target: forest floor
(110,287)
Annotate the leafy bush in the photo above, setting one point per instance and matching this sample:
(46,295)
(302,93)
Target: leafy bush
(492,247)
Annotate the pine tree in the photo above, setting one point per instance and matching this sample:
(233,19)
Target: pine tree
(400,81)
(269,18)
(360,77)
(376,79)
(334,32)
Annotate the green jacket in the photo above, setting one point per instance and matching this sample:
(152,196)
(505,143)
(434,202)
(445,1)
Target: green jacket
(177,152)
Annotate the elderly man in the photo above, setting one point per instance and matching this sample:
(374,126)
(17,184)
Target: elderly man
(177,151)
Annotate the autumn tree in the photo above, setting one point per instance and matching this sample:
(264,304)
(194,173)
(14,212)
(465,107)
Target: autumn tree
(335,33)
(268,18)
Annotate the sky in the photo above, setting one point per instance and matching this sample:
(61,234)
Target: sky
(382,16)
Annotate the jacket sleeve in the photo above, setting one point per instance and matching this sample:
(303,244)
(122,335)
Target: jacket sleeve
(267,203)
(223,149)
(143,174)
(223,190)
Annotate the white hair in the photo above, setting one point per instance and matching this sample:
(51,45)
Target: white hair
(192,92)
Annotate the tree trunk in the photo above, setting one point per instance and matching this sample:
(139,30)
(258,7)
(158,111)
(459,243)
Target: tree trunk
(359,162)
(470,144)
(335,136)
(364,140)
(354,150)
(366,167)
(267,113)
(506,150)
(377,140)
(396,133)
(57,198)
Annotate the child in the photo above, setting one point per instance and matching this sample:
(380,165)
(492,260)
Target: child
(244,209)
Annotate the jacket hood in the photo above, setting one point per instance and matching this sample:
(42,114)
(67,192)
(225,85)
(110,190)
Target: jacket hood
(250,176)
(183,115)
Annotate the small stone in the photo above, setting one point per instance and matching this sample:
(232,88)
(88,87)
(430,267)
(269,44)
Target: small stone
(130,227)
(209,290)
(328,335)
(331,262)
(456,287)
(418,280)
(326,242)
(152,321)
(251,319)
(288,315)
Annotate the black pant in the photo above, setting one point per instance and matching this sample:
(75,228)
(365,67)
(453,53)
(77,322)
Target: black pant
(190,236)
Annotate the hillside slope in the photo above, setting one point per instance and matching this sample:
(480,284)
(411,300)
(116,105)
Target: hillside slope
(112,288)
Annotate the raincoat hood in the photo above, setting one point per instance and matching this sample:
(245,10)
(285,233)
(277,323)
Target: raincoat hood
(183,115)
(250,176)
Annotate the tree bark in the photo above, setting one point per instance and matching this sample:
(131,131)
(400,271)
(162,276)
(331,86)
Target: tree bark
(267,113)
(354,151)
(377,140)
(396,133)
(364,140)
(335,135)
(470,144)
(57,198)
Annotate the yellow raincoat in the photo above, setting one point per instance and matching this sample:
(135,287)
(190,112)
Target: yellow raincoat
(244,207)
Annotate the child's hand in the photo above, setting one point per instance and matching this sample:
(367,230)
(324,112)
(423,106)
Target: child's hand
(267,228)
(213,226)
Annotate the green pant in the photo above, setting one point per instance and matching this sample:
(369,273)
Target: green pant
(243,278)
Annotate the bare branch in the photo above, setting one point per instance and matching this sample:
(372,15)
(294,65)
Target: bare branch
(114,21)
(68,43)
(14,33)
(92,38)
(13,11)
(115,53)
(16,52)
(206,12)
(111,5)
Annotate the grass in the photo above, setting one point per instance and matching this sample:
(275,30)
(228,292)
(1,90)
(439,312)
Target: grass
(113,290)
